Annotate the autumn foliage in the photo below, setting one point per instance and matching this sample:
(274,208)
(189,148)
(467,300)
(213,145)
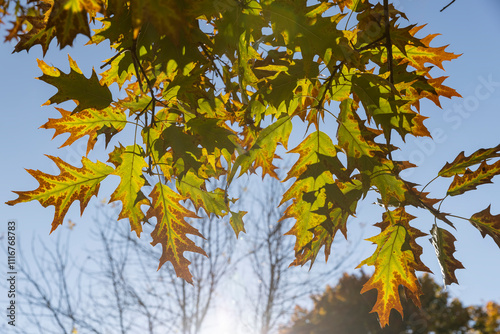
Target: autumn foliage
(215,89)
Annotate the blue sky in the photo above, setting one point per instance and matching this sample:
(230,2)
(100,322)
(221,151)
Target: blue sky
(470,28)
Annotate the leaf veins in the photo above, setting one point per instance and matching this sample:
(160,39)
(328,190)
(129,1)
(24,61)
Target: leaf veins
(62,190)
(396,259)
(171,229)
(487,224)
(89,122)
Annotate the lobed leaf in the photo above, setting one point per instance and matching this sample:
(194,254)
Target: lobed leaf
(354,137)
(130,170)
(321,205)
(419,56)
(470,180)
(89,122)
(121,70)
(393,190)
(193,187)
(236,222)
(487,224)
(38,33)
(69,18)
(262,153)
(171,229)
(87,93)
(443,242)
(62,190)
(439,90)
(322,238)
(396,259)
(461,162)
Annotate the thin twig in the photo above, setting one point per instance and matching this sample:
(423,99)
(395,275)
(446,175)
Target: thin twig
(448,5)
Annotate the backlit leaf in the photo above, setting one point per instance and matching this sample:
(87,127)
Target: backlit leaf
(87,122)
(443,242)
(69,18)
(130,170)
(194,187)
(396,259)
(171,229)
(461,162)
(213,88)
(354,137)
(262,153)
(471,179)
(72,184)
(487,224)
(323,236)
(87,93)
(419,56)
(236,222)
(320,204)
(38,33)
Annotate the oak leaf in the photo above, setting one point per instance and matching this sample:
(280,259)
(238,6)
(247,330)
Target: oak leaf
(38,33)
(419,56)
(471,179)
(236,222)
(396,259)
(443,242)
(72,184)
(262,152)
(130,170)
(87,93)
(89,122)
(192,186)
(487,224)
(69,18)
(461,162)
(171,229)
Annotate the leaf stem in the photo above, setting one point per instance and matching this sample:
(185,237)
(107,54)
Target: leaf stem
(428,184)
(459,217)
(388,42)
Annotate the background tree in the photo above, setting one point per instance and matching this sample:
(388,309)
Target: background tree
(487,318)
(278,287)
(113,286)
(342,309)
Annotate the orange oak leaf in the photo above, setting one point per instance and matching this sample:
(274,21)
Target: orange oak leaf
(461,162)
(171,229)
(87,122)
(487,224)
(419,56)
(396,259)
(471,179)
(72,184)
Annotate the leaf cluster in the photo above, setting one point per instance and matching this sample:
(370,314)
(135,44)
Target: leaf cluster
(214,90)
